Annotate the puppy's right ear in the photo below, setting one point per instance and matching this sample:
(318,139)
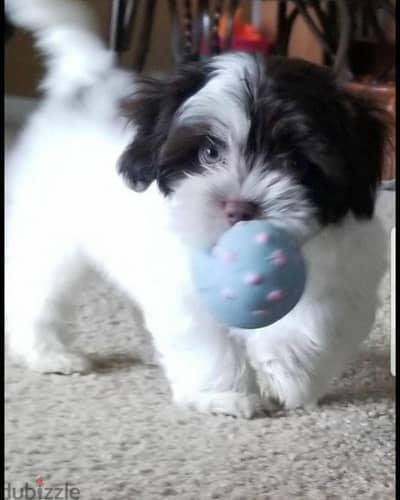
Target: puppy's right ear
(151,109)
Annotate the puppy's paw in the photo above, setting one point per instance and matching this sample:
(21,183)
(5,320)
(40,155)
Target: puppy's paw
(234,404)
(270,399)
(281,389)
(64,362)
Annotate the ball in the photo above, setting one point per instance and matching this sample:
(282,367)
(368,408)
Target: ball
(253,276)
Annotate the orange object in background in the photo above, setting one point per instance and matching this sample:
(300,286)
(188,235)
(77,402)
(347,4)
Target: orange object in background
(244,36)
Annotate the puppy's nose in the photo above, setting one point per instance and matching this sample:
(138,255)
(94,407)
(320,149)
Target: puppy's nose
(238,210)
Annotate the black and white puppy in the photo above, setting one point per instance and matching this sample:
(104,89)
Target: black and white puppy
(229,139)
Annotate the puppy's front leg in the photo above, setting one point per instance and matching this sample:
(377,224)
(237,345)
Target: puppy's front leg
(294,369)
(206,369)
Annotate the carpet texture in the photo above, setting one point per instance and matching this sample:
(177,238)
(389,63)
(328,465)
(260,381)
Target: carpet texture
(114,433)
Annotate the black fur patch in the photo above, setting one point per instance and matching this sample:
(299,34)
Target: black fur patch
(331,141)
(301,120)
(152,108)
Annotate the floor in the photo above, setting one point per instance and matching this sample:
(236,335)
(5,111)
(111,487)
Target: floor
(114,434)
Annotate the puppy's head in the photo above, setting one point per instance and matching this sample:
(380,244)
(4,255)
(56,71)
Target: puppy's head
(239,138)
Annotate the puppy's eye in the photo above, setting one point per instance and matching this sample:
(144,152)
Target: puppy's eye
(298,164)
(209,154)
(293,163)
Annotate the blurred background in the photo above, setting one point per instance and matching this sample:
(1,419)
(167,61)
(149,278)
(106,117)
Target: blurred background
(152,35)
(354,37)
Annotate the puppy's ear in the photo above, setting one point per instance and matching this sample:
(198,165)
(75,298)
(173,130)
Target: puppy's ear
(151,109)
(368,142)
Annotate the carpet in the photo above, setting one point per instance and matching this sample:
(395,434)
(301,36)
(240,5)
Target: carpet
(114,433)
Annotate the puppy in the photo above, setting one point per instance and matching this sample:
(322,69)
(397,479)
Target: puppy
(132,174)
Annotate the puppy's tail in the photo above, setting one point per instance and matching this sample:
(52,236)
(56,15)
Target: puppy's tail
(65,32)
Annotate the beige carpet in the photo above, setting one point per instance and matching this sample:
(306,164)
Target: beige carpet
(115,435)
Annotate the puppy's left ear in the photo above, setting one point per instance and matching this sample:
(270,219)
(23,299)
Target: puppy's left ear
(368,142)
(151,109)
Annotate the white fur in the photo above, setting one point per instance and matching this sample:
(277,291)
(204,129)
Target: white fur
(66,206)
(220,101)
(197,200)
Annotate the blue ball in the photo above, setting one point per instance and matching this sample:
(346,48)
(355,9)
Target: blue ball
(253,276)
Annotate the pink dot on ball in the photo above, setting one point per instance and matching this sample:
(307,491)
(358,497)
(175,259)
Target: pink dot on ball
(227,256)
(279,257)
(262,238)
(275,295)
(227,293)
(253,279)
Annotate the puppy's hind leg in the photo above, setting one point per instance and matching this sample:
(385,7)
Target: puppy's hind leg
(41,283)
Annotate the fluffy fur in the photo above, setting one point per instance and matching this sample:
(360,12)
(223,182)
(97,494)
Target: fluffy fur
(281,134)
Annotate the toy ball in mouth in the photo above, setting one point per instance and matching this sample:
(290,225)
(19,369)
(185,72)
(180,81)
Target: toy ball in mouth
(253,276)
